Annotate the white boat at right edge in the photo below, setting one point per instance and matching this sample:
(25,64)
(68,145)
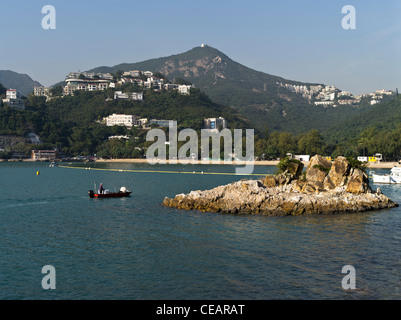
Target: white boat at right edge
(393,177)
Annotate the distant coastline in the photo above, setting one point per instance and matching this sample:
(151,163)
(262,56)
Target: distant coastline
(381,165)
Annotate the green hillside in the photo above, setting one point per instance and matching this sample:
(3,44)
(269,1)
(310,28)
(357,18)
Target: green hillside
(255,95)
(71,123)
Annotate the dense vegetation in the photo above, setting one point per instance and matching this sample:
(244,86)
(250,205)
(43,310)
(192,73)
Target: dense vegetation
(373,130)
(72,123)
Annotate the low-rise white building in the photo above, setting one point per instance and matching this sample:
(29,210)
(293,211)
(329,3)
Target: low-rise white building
(13,99)
(133,73)
(185,89)
(13,94)
(41,91)
(126,120)
(87,82)
(324,103)
(148,74)
(136,96)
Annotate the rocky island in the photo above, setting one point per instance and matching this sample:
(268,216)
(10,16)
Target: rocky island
(325,187)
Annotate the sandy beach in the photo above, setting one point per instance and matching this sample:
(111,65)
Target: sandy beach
(372,165)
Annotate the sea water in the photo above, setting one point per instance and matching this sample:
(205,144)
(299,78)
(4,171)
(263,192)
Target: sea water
(134,248)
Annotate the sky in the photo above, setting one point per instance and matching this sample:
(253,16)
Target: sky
(297,40)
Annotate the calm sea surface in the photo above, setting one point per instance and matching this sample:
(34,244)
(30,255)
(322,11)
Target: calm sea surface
(134,248)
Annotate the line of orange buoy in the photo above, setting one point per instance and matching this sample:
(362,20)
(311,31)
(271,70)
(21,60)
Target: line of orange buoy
(161,171)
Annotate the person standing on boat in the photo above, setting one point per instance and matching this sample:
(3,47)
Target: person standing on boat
(101,189)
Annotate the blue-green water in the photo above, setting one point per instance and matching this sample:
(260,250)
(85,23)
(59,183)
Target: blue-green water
(134,248)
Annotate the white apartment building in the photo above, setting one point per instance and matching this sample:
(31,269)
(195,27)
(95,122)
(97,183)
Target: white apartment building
(133,73)
(126,120)
(90,75)
(384,91)
(155,83)
(324,103)
(85,85)
(345,93)
(148,74)
(137,96)
(41,91)
(13,99)
(13,94)
(185,89)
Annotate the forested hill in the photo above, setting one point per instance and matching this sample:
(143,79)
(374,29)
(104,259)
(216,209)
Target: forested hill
(71,122)
(256,95)
(383,117)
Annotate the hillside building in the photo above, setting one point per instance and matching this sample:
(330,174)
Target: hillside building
(126,120)
(185,89)
(14,99)
(41,91)
(135,96)
(44,155)
(215,123)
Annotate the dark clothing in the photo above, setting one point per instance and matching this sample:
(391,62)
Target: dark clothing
(101,189)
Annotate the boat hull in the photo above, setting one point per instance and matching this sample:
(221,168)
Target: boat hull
(381,179)
(109,195)
(386,179)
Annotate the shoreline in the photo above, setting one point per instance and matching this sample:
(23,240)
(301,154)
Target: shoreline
(381,165)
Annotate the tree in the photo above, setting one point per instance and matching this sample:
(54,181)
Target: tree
(311,143)
(3,90)
(56,91)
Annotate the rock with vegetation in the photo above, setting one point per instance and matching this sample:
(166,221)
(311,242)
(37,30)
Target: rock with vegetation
(288,170)
(324,188)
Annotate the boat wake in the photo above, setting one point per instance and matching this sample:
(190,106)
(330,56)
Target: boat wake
(25,204)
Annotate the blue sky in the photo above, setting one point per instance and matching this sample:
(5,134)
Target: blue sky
(298,40)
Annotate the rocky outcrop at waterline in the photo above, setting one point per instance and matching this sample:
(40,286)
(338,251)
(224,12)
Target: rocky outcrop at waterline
(324,188)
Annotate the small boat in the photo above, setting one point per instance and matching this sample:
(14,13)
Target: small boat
(393,177)
(107,194)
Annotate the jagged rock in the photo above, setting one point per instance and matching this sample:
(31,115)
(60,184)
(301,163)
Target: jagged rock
(338,172)
(358,181)
(325,188)
(298,186)
(252,197)
(316,169)
(282,179)
(269,181)
(328,184)
(295,169)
